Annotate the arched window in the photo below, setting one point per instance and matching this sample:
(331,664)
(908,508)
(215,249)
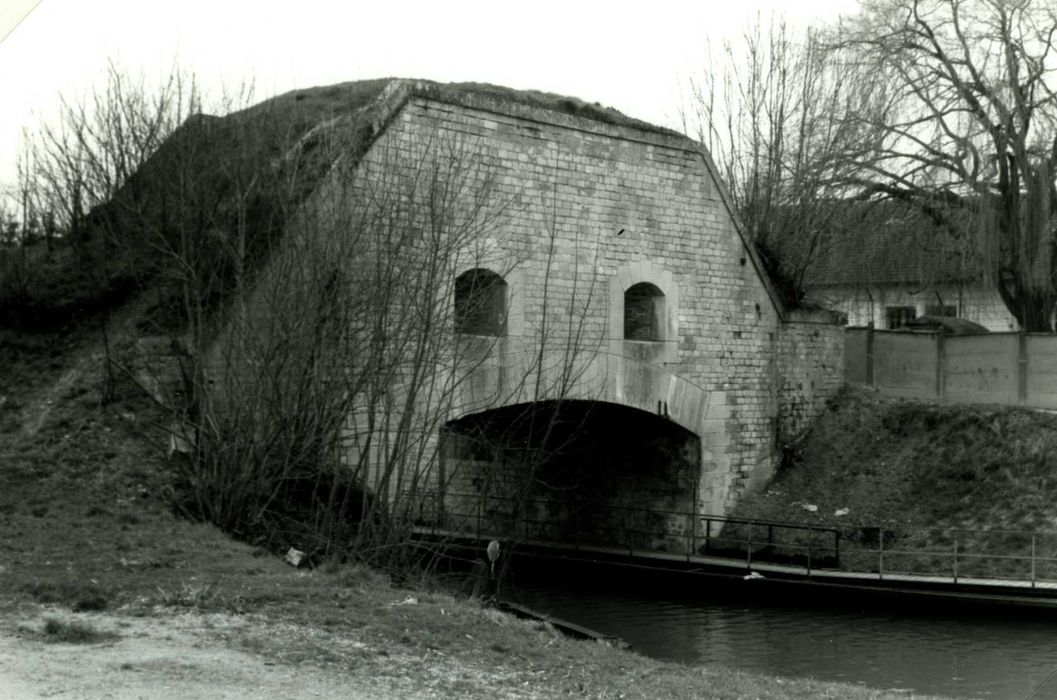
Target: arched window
(643,312)
(480,303)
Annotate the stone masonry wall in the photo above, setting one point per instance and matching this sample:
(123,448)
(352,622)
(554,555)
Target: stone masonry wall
(810,369)
(582,212)
(586,201)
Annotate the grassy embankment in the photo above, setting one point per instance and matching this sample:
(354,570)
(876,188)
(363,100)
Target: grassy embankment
(919,470)
(87,538)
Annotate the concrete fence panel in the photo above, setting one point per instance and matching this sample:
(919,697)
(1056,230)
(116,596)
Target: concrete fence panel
(856,355)
(905,364)
(982,368)
(1041,371)
(994,368)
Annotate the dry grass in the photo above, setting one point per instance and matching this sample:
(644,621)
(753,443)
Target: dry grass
(918,469)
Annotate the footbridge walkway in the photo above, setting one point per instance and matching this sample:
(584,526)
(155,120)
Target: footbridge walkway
(988,566)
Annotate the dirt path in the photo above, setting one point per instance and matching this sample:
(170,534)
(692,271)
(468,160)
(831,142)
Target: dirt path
(177,658)
(89,360)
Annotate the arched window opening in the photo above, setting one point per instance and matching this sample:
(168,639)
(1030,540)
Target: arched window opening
(643,312)
(480,303)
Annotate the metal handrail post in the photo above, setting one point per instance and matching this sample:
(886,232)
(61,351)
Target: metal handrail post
(689,525)
(631,553)
(1033,560)
(708,534)
(809,548)
(881,554)
(576,528)
(748,549)
(956,558)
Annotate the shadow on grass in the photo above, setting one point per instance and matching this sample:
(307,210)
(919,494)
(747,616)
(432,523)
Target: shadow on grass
(79,596)
(58,631)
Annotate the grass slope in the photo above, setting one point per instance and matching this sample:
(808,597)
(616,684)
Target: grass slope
(909,466)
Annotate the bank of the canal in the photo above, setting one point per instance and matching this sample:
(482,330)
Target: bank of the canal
(893,644)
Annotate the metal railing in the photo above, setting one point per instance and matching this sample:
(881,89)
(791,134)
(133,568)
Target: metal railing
(953,555)
(639,530)
(957,555)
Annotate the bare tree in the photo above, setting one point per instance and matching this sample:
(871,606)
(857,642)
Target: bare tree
(772,108)
(968,132)
(319,401)
(306,272)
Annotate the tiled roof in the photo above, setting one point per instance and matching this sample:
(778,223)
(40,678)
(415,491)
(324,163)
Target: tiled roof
(888,243)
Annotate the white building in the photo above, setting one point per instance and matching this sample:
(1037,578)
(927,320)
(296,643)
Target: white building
(891,264)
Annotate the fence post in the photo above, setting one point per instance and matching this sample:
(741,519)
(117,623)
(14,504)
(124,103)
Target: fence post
(941,367)
(1022,367)
(809,548)
(708,535)
(869,354)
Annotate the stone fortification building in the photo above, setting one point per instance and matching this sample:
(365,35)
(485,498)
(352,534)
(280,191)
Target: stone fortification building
(603,284)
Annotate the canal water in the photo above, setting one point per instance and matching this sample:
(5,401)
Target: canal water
(946,651)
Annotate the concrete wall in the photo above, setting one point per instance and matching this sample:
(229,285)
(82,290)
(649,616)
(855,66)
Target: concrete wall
(904,364)
(980,369)
(1041,371)
(995,368)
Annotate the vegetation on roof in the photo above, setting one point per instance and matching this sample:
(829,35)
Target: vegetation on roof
(318,104)
(214,179)
(541,100)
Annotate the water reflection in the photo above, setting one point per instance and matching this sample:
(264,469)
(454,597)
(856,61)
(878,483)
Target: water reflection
(943,652)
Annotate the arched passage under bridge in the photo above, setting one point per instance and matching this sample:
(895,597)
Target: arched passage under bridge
(591,472)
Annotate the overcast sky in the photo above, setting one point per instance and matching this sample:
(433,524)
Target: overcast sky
(625,55)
